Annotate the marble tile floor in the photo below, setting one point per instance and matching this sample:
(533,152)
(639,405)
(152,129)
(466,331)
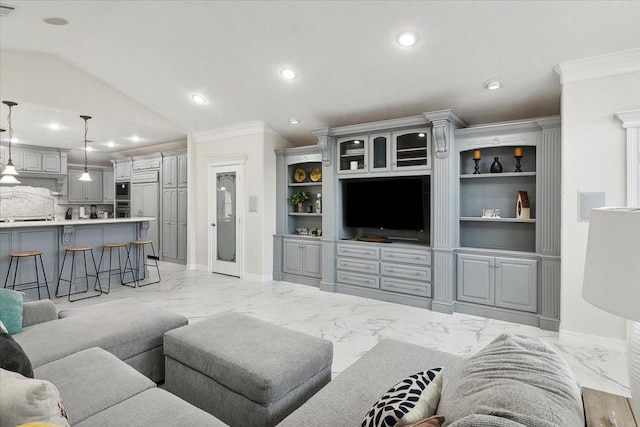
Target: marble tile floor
(353,324)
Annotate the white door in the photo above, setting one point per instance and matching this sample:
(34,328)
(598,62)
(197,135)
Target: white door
(225,219)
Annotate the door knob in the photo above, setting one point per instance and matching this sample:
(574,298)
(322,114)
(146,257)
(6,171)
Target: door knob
(213,224)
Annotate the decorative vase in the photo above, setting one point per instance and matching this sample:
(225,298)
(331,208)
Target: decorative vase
(496,167)
(319,203)
(300,207)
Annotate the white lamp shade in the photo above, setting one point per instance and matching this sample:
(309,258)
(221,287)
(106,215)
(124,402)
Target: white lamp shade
(9,179)
(10,169)
(612,265)
(85,176)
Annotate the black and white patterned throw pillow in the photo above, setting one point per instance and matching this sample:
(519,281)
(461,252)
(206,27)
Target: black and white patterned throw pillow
(412,399)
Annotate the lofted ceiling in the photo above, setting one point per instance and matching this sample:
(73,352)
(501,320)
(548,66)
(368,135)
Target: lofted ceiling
(148,57)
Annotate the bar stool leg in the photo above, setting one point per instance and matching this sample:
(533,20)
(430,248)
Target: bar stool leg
(35,261)
(64,260)
(46,283)
(134,272)
(97,275)
(6,279)
(108,272)
(145,259)
(15,274)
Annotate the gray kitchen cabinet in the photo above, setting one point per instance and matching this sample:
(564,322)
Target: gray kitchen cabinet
(302,257)
(108,186)
(84,191)
(170,223)
(174,207)
(170,170)
(36,159)
(182,224)
(123,170)
(498,281)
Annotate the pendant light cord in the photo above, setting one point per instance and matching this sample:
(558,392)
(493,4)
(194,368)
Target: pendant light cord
(86,127)
(10,130)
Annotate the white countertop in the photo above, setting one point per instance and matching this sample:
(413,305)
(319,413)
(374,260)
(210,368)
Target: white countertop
(28,224)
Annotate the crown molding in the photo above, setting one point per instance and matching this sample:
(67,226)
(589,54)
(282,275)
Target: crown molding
(232,131)
(611,64)
(629,119)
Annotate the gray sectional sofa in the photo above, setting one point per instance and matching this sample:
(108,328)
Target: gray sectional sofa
(532,386)
(96,358)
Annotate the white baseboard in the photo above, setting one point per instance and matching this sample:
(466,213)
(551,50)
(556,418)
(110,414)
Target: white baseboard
(577,338)
(198,267)
(257,278)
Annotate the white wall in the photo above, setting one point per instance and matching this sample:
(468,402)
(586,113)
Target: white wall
(593,159)
(258,227)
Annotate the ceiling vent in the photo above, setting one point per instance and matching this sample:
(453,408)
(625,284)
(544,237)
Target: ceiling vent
(6,9)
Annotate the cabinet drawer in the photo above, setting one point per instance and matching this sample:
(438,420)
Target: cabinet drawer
(147,176)
(406,287)
(407,256)
(419,274)
(358,251)
(372,267)
(358,279)
(146,164)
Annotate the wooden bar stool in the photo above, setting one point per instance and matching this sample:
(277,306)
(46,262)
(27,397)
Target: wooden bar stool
(141,258)
(121,272)
(73,250)
(26,285)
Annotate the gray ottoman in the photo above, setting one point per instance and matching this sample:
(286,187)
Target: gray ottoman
(245,371)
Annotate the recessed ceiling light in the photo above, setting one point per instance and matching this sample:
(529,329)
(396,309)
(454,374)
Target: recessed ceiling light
(407,39)
(135,138)
(294,121)
(197,98)
(55,126)
(89,148)
(493,84)
(111,144)
(55,20)
(288,73)
(421,135)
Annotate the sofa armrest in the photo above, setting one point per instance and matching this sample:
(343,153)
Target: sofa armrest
(34,312)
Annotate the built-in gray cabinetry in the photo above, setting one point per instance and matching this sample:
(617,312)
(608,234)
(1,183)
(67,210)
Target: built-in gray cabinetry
(144,202)
(34,159)
(84,191)
(508,218)
(301,257)
(498,281)
(174,207)
(297,247)
(391,271)
(383,151)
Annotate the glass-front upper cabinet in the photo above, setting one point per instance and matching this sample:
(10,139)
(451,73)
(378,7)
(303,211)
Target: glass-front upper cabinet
(411,149)
(353,154)
(379,152)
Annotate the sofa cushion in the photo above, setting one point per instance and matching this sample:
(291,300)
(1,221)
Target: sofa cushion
(154,407)
(124,328)
(25,399)
(516,378)
(11,309)
(93,380)
(432,421)
(410,400)
(13,357)
(362,383)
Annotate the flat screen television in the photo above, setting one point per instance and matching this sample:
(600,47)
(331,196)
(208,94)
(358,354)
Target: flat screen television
(398,203)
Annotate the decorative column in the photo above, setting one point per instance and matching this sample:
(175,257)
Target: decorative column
(443,219)
(327,148)
(548,222)
(631,122)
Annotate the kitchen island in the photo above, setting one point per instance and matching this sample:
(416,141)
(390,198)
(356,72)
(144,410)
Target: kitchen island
(52,237)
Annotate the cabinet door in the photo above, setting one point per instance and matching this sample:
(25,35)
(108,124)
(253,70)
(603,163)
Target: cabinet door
(312,264)
(182,170)
(123,171)
(108,187)
(74,186)
(292,256)
(169,171)
(51,162)
(379,152)
(182,224)
(17,157)
(411,150)
(93,188)
(32,161)
(352,154)
(517,284)
(475,278)
(169,223)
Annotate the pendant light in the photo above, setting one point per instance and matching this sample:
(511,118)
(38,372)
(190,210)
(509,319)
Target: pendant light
(9,173)
(85,173)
